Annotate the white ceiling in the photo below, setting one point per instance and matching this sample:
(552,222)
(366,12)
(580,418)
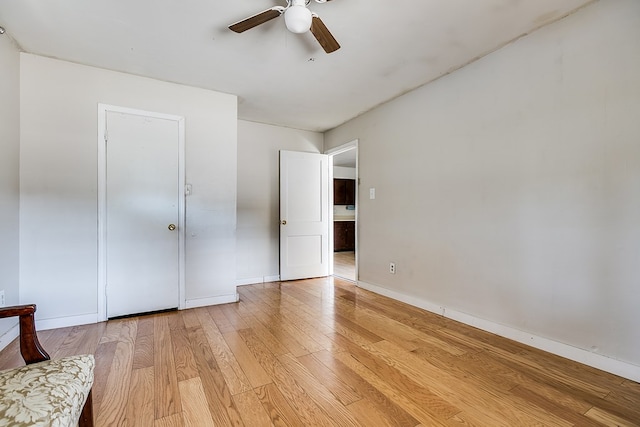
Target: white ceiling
(389,47)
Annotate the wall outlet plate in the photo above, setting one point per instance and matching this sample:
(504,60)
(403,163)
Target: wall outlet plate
(2,302)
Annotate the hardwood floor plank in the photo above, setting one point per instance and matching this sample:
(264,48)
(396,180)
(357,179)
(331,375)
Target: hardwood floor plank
(221,405)
(183,355)
(174,420)
(143,352)
(369,392)
(608,419)
(251,410)
(10,356)
(367,414)
(277,406)
(79,340)
(233,374)
(298,398)
(341,390)
(112,331)
(54,338)
(145,325)
(463,392)
(417,411)
(104,355)
(140,407)
(549,406)
(190,318)
(318,392)
(274,325)
(194,404)
(116,391)
(221,321)
(250,366)
(167,394)
(274,345)
(230,311)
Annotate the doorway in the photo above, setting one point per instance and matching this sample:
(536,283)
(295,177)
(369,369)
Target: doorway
(344,188)
(141,212)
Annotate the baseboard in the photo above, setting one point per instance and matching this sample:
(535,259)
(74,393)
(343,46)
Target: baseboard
(222,299)
(249,281)
(64,322)
(256,280)
(598,361)
(9,336)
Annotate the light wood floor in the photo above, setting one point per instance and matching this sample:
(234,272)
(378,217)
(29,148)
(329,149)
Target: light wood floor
(323,353)
(344,265)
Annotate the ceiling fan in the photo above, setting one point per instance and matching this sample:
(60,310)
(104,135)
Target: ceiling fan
(298,19)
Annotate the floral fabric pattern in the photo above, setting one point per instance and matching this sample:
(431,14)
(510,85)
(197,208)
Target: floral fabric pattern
(50,393)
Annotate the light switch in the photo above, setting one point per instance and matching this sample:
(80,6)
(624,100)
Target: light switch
(372,193)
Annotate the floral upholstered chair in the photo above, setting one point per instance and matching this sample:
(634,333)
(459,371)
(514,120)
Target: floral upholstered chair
(44,392)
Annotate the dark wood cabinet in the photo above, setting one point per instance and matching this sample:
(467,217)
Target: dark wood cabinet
(344,191)
(344,236)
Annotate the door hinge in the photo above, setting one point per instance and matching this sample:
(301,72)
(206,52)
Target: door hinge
(106,135)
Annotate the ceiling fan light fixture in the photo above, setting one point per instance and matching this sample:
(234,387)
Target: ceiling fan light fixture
(298,19)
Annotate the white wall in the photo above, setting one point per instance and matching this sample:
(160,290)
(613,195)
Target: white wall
(9,175)
(58,183)
(508,192)
(344,173)
(258,195)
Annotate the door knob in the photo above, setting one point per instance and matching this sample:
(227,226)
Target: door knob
(283,222)
(171,227)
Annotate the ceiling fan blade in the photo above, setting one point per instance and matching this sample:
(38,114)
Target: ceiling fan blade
(255,20)
(322,34)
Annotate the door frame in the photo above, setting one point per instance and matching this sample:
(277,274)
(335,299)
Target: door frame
(332,152)
(103,109)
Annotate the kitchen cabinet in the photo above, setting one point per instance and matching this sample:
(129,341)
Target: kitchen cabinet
(344,191)
(344,236)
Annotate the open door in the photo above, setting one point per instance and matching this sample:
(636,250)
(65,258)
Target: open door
(304,215)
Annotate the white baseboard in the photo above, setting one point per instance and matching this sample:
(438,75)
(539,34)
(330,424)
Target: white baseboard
(222,299)
(9,336)
(256,280)
(249,281)
(599,361)
(64,322)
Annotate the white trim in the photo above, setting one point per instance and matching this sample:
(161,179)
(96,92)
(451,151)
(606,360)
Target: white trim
(257,280)
(64,322)
(9,336)
(599,361)
(102,182)
(203,302)
(249,281)
(332,152)
(342,148)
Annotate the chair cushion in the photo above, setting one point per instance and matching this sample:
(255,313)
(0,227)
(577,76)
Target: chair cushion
(50,393)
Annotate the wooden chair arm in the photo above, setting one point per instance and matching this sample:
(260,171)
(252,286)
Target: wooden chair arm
(30,347)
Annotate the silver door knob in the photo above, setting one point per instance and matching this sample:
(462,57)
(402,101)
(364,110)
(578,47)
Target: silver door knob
(171,227)
(283,222)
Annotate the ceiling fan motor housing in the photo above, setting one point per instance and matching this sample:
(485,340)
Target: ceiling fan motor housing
(297,17)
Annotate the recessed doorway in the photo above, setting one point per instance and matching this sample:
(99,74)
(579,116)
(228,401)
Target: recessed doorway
(344,209)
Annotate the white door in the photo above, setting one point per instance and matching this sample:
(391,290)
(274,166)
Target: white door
(142,213)
(304,215)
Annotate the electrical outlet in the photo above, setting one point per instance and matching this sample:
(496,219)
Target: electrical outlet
(2,303)
(392,267)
